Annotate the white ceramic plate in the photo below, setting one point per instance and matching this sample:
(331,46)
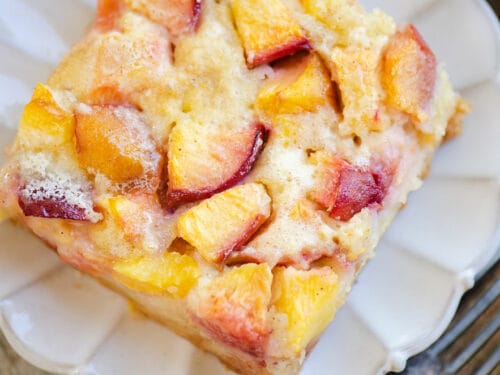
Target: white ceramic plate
(64,322)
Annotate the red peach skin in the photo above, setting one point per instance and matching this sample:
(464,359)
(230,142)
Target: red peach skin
(51,209)
(267,30)
(346,190)
(241,149)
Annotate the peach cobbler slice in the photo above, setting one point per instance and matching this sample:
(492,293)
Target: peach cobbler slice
(230,166)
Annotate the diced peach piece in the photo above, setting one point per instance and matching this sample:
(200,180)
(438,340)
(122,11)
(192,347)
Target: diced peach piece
(344,190)
(302,83)
(131,59)
(108,14)
(44,123)
(201,164)
(357,189)
(225,222)
(171,273)
(130,216)
(51,208)
(360,96)
(234,308)
(53,200)
(409,73)
(134,225)
(110,96)
(308,299)
(125,211)
(267,30)
(115,142)
(177,16)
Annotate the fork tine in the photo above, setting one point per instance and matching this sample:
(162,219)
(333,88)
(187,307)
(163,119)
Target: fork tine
(492,365)
(473,346)
(470,317)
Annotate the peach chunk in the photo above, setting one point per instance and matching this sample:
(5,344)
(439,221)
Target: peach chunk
(45,125)
(53,199)
(108,14)
(170,273)
(308,299)
(360,96)
(224,223)
(409,73)
(115,142)
(50,208)
(267,30)
(126,61)
(107,95)
(344,190)
(137,217)
(177,16)
(234,308)
(134,225)
(202,163)
(301,84)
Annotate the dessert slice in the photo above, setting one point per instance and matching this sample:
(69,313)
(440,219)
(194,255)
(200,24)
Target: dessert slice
(146,163)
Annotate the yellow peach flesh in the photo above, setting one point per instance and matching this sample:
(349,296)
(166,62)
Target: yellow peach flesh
(267,30)
(308,299)
(171,273)
(223,223)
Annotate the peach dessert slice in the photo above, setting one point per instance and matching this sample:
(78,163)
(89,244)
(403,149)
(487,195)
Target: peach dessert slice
(202,163)
(267,30)
(233,308)
(224,223)
(301,84)
(409,73)
(147,161)
(114,142)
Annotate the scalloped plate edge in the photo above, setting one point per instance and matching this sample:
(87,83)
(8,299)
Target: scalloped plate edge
(464,280)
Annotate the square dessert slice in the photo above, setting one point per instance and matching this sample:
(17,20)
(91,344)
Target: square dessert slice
(230,166)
